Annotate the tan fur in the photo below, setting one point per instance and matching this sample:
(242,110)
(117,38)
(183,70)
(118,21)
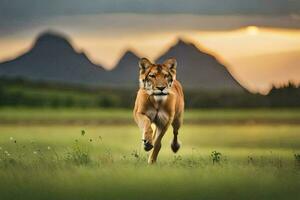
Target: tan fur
(162,110)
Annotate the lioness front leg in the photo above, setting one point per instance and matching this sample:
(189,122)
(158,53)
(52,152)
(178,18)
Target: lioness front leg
(144,124)
(160,132)
(175,145)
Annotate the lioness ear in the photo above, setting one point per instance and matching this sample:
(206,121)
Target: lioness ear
(144,64)
(171,63)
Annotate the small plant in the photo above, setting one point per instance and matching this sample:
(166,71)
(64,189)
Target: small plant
(250,160)
(82,132)
(297,158)
(216,157)
(78,154)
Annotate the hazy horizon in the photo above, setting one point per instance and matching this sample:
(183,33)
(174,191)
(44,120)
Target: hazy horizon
(258,41)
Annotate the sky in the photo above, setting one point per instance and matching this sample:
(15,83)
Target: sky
(242,34)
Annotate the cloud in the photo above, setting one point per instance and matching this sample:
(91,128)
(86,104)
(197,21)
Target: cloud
(15,9)
(18,15)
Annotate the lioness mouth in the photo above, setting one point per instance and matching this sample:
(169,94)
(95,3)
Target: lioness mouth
(160,94)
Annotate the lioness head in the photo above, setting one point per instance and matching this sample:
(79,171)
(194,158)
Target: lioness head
(157,79)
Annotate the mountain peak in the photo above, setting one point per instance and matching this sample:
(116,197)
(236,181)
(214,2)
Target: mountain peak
(51,35)
(128,58)
(52,39)
(181,41)
(183,44)
(53,58)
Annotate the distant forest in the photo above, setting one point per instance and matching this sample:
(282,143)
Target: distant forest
(23,93)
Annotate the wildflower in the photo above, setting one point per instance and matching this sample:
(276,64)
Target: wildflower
(8,154)
(82,132)
(34,152)
(11,138)
(91,140)
(48,147)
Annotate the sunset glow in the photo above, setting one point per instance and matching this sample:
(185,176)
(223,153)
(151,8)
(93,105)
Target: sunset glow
(236,48)
(252,30)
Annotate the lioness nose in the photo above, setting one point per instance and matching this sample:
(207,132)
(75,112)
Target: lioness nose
(161,88)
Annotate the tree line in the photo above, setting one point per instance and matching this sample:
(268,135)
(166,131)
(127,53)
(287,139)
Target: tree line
(23,93)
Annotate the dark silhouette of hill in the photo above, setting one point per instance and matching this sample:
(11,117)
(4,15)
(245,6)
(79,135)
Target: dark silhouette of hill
(52,58)
(126,71)
(197,69)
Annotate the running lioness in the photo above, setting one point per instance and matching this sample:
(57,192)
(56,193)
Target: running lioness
(160,102)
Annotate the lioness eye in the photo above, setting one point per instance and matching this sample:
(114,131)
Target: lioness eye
(152,75)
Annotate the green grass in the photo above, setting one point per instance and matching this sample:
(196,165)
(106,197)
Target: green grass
(107,162)
(126,114)
(63,114)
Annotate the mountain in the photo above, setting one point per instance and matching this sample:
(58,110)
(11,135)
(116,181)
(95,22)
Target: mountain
(126,71)
(52,58)
(197,69)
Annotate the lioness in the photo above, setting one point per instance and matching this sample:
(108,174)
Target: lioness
(159,101)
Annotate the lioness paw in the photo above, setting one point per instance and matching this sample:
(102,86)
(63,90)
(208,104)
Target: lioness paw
(147,145)
(175,146)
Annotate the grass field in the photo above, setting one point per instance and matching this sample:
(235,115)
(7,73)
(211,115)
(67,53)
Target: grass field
(125,115)
(107,161)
